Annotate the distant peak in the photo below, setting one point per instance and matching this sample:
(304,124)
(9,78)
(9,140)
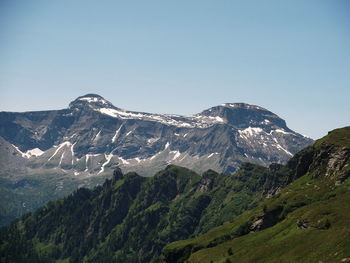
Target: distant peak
(92,100)
(245,115)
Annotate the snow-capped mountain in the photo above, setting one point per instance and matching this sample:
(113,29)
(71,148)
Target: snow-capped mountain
(92,136)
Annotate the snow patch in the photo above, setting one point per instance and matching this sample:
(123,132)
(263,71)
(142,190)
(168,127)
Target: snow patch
(152,140)
(59,148)
(194,121)
(250,131)
(283,149)
(97,136)
(72,151)
(212,154)
(219,119)
(110,112)
(166,145)
(108,159)
(177,154)
(33,152)
(62,156)
(281,131)
(94,100)
(206,121)
(116,134)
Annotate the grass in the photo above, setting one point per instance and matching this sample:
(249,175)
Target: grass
(286,243)
(337,137)
(327,238)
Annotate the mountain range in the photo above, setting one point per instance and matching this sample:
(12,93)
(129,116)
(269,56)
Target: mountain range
(92,136)
(295,212)
(45,155)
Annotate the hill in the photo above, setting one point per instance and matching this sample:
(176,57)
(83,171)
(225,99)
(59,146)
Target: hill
(308,221)
(131,218)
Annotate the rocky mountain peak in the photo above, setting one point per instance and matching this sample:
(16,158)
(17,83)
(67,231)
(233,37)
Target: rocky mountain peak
(91,101)
(243,115)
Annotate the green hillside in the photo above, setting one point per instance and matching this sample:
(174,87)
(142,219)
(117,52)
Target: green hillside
(131,218)
(308,221)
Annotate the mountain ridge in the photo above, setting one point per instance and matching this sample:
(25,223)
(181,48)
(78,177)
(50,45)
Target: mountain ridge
(246,121)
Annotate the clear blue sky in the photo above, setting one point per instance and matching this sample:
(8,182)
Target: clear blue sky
(291,57)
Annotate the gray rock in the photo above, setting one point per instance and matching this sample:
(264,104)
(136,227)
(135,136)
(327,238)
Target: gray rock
(92,137)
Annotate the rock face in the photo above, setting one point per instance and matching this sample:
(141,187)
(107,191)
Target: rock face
(92,137)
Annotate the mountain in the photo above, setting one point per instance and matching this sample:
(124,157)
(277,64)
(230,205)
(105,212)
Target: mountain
(92,136)
(131,218)
(45,155)
(307,221)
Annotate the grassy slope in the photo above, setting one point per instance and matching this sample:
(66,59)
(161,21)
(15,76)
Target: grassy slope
(326,239)
(132,218)
(314,201)
(338,137)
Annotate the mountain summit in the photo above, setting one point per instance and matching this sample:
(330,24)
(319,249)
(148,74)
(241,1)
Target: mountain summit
(90,100)
(242,115)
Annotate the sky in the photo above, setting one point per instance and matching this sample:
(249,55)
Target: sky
(291,57)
